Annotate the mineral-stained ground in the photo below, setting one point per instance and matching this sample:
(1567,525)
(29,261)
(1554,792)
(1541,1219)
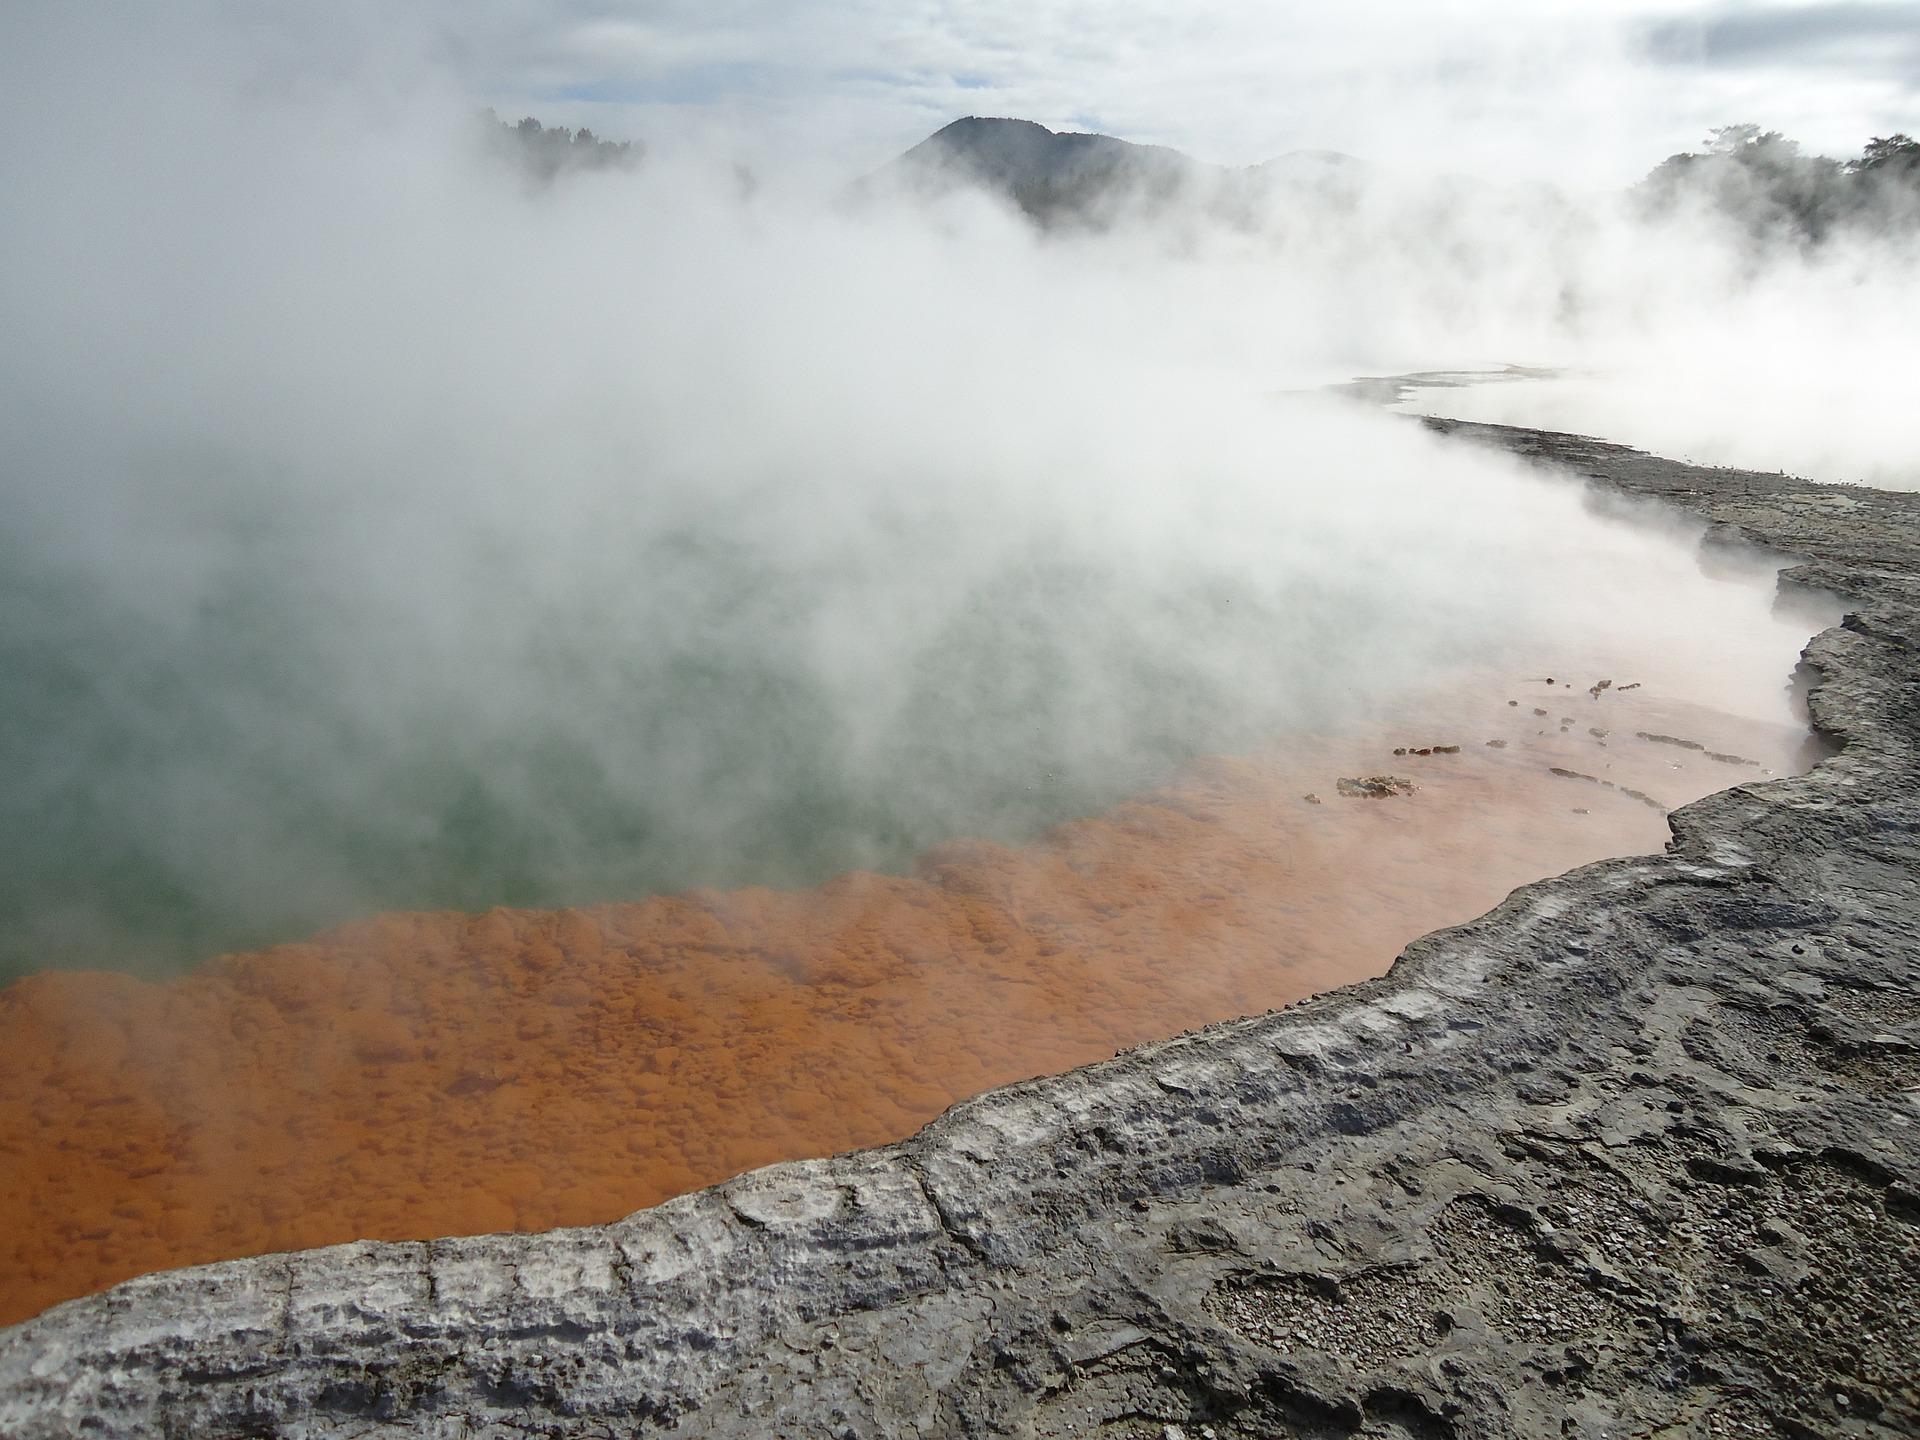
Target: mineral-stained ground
(1634,1153)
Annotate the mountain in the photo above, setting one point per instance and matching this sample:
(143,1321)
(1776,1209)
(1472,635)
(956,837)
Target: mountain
(1064,178)
(1053,176)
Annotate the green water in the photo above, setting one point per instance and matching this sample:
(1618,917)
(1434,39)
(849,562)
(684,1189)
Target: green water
(269,750)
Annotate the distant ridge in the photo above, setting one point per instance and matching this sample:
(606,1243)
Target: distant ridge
(1051,175)
(1073,178)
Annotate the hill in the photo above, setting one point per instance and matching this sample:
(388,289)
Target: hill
(1071,178)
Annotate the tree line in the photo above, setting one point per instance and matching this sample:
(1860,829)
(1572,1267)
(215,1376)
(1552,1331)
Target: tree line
(546,152)
(1768,186)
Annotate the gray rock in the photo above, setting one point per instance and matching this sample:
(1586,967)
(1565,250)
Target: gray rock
(1636,1153)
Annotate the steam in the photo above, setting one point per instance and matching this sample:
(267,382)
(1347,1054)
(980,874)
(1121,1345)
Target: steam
(1689,336)
(384,531)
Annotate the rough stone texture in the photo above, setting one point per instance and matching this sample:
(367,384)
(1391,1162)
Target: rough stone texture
(1637,1153)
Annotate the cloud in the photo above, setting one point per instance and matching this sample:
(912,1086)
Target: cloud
(1863,38)
(1581,93)
(1489,86)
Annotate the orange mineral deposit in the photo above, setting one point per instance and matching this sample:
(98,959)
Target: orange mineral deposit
(419,1075)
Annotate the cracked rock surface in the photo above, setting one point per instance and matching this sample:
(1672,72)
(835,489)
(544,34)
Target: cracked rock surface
(1635,1154)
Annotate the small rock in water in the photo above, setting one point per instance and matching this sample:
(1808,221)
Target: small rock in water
(1373,787)
(1538,711)
(1311,798)
(1597,686)
(1496,744)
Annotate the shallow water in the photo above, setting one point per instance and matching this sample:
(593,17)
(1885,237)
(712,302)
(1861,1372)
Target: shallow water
(433,1074)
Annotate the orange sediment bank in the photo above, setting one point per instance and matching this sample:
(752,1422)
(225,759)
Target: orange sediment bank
(420,1075)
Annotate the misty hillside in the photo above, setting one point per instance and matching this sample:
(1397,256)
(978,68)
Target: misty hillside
(545,152)
(1755,181)
(1050,175)
(1764,184)
(1069,178)
(1065,178)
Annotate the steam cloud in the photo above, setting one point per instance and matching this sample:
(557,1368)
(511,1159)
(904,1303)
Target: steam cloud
(385,531)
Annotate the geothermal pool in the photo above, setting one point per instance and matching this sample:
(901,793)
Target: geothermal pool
(817,806)
(429,1074)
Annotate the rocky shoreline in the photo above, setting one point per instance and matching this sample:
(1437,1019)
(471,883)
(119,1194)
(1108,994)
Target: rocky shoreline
(1636,1153)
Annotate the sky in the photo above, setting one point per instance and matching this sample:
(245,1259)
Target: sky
(1596,91)
(1587,92)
